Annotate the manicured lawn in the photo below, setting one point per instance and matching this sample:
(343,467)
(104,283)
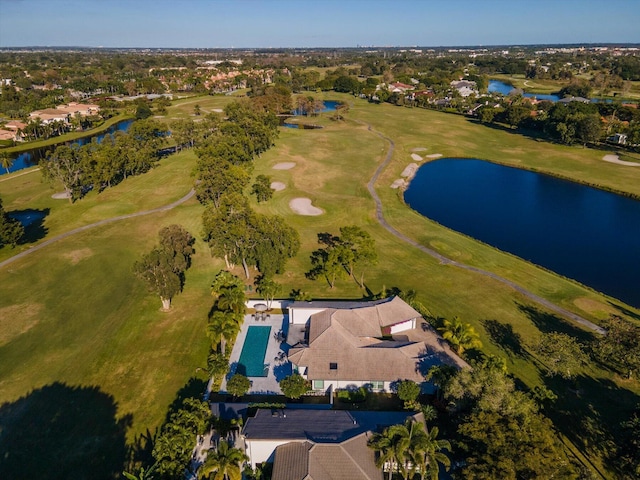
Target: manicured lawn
(74,313)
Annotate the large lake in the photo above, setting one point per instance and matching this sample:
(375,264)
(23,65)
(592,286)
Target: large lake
(580,232)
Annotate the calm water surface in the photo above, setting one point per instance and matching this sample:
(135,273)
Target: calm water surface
(577,231)
(32,157)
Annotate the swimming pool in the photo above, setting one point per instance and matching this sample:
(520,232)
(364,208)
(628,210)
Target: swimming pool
(251,362)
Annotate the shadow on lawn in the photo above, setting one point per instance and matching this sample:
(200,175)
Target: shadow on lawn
(60,432)
(503,335)
(550,323)
(590,411)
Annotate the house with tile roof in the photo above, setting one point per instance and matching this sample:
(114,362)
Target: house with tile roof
(376,344)
(308,444)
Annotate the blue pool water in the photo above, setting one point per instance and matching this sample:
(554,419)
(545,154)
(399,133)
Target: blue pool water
(251,362)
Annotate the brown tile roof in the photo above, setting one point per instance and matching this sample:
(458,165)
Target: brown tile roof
(346,337)
(349,460)
(291,461)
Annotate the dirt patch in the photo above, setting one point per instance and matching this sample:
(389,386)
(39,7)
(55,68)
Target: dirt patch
(302,206)
(615,159)
(76,256)
(18,319)
(284,166)
(278,186)
(593,306)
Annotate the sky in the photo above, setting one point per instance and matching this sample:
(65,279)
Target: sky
(319,23)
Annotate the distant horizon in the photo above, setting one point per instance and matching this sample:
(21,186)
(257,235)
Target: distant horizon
(282,24)
(338,47)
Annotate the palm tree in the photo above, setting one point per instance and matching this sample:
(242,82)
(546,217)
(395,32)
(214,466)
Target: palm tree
(221,328)
(232,299)
(426,455)
(225,462)
(382,443)
(6,161)
(461,336)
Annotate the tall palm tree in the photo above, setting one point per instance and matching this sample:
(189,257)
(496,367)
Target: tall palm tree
(225,463)
(461,336)
(221,328)
(426,454)
(407,441)
(232,299)
(382,443)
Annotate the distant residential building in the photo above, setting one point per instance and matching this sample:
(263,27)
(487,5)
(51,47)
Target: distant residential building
(464,87)
(49,115)
(618,138)
(82,109)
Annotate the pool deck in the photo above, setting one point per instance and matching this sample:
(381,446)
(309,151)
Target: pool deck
(268,384)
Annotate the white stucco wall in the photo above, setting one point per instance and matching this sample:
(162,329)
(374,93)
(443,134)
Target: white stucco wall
(401,327)
(275,304)
(260,451)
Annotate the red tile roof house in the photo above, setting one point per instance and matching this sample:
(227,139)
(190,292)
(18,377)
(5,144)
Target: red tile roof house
(372,344)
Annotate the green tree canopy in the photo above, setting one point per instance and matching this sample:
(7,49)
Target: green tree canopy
(238,385)
(294,386)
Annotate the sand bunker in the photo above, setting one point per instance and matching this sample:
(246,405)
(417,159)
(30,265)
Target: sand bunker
(419,149)
(616,159)
(302,206)
(416,157)
(284,166)
(410,170)
(217,110)
(399,183)
(434,155)
(61,196)
(278,186)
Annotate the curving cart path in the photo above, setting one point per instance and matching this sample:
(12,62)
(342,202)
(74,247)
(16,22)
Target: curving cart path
(62,236)
(447,261)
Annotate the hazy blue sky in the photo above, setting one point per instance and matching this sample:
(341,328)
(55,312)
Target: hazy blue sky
(321,23)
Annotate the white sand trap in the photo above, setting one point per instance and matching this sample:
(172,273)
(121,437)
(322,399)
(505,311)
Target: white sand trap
(61,196)
(278,186)
(302,206)
(616,159)
(399,183)
(416,157)
(284,166)
(419,149)
(434,155)
(217,110)
(410,170)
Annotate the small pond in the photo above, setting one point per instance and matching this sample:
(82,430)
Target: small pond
(32,157)
(580,232)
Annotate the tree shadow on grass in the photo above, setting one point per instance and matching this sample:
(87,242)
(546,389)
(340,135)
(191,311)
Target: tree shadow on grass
(61,432)
(589,412)
(194,388)
(503,335)
(550,323)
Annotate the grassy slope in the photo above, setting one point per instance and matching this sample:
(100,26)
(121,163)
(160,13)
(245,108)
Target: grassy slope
(112,334)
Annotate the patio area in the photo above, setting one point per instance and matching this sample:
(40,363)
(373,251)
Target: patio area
(276,365)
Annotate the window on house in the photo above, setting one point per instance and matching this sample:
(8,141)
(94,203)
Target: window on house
(333,366)
(377,385)
(318,384)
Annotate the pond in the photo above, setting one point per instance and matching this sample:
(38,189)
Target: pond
(32,157)
(505,89)
(580,232)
